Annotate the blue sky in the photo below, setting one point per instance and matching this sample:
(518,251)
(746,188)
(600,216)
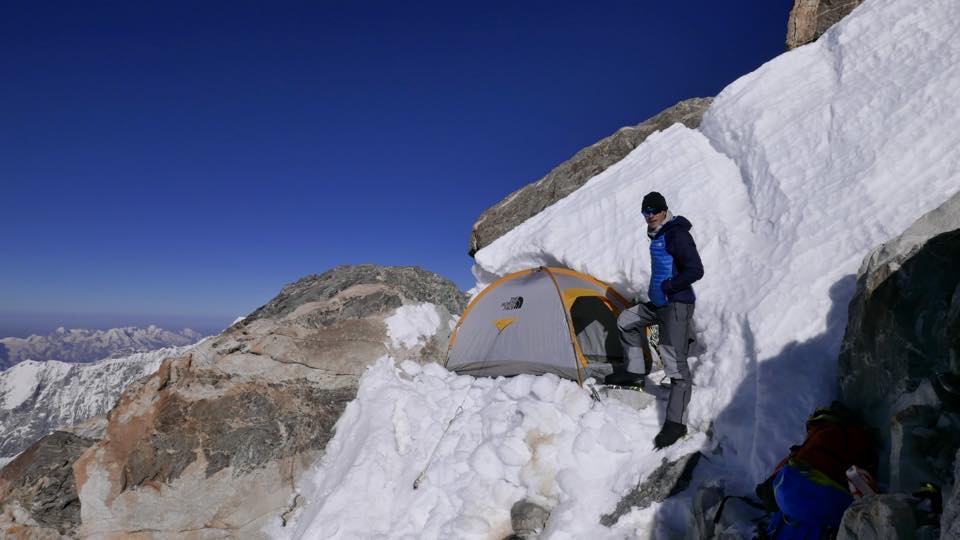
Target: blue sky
(182,161)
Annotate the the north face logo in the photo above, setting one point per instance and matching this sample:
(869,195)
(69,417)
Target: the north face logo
(514,303)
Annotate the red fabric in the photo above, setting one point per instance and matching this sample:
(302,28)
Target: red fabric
(832,447)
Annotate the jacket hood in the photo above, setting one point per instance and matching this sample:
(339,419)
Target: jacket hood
(678,222)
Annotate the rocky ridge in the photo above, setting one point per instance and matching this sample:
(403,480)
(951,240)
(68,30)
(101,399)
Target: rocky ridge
(212,443)
(809,19)
(573,173)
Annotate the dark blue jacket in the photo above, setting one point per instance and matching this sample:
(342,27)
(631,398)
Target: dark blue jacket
(676,264)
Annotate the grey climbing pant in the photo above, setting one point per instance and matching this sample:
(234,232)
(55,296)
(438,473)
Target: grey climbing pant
(674,322)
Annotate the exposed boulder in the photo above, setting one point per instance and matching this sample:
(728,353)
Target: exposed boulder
(528,520)
(878,517)
(567,177)
(213,442)
(38,494)
(809,19)
(670,478)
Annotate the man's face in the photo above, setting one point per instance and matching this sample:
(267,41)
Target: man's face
(654,220)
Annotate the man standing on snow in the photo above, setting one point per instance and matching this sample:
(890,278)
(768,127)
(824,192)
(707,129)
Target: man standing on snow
(675,266)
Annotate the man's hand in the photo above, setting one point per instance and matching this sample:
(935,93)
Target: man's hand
(667,286)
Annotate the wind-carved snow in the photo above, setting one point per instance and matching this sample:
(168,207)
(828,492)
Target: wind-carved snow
(413,324)
(799,169)
(38,397)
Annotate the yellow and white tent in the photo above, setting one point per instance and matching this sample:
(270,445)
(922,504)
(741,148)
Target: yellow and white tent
(540,320)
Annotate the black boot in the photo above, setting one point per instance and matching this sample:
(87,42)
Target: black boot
(669,434)
(625,378)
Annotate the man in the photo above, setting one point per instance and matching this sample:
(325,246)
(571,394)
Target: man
(675,266)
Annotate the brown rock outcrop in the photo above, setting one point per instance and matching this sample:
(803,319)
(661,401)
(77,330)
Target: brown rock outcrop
(567,177)
(211,445)
(809,19)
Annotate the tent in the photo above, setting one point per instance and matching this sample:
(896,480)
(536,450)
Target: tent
(540,320)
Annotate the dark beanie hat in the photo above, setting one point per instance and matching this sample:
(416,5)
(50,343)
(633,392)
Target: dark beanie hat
(654,201)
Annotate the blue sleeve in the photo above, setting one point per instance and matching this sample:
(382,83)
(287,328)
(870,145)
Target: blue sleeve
(686,259)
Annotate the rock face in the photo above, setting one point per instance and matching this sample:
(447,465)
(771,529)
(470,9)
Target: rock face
(38,397)
(878,517)
(900,358)
(38,495)
(717,516)
(573,173)
(668,479)
(809,19)
(950,522)
(212,443)
(80,345)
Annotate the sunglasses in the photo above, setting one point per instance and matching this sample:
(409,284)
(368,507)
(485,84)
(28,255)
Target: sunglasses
(649,212)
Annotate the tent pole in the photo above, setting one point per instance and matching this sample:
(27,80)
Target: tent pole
(577,354)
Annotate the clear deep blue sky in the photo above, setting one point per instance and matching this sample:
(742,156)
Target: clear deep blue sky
(179,162)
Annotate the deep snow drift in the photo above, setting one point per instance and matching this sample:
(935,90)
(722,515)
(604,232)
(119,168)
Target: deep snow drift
(798,170)
(542,438)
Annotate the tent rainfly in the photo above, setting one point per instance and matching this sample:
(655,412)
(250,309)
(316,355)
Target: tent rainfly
(540,320)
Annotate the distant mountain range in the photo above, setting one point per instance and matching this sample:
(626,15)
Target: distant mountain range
(81,345)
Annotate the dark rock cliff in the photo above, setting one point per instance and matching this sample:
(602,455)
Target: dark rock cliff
(900,359)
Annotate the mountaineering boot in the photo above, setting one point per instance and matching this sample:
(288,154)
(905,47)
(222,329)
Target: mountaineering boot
(669,434)
(626,379)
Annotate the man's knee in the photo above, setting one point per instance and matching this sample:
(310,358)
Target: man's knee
(626,321)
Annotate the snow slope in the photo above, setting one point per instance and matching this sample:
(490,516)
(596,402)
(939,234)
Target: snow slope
(541,438)
(798,170)
(38,397)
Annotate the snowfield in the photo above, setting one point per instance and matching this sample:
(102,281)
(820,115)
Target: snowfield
(541,438)
(798,170)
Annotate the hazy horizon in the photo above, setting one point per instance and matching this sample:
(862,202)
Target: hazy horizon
(25,324)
